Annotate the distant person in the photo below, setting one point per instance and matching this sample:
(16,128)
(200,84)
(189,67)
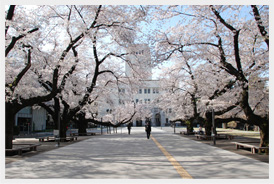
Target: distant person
(201,132)
(148,129)
(128,128)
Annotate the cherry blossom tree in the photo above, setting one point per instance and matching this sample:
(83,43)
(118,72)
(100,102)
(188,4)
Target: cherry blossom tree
(19,57)
(96,39)
(227,37)
(54,40)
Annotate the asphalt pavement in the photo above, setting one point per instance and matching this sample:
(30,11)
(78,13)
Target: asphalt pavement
(121,156)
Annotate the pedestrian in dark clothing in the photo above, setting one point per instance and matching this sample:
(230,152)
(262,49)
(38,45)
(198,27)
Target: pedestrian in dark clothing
(129,127)
(148,129)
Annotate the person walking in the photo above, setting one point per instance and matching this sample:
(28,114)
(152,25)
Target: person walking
(129,128)
(148,129)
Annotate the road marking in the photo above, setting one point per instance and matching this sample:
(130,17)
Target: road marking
(183,173)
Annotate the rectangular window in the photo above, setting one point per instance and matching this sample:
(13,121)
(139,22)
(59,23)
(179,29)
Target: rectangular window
(148,91)
(140,91)
(145,90)
(121,90)
(148,100)
(137,100)
(154,90)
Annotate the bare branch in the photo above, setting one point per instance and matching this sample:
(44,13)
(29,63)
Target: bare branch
(259,21)
(15,39)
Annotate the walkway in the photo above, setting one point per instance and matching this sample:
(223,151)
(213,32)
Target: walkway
(123,156)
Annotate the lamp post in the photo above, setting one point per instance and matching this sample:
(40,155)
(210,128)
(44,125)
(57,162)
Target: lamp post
(101,126)
(174,126)
(213,128)
(58,138)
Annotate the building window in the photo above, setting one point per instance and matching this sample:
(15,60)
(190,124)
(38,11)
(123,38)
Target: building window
(155,90)
(148,91)
(137,100)
(145,90)
(140,91)
(148,100)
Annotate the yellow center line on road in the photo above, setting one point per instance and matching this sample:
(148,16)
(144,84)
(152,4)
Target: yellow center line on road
(183,173)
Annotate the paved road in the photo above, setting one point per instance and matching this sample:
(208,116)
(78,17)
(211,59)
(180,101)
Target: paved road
(123,156)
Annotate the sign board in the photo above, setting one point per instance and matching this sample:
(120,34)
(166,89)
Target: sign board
(55,132)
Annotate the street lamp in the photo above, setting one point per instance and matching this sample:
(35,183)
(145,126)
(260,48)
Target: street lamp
(213,127)
(101,126)
(58,138)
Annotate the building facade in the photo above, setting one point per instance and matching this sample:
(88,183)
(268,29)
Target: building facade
(31,119)
(147,93)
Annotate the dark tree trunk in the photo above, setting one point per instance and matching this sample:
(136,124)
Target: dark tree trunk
(63,128)
(189,126)
(253,119)
(264,134)
(82,127)
(82,123)
(10,122)
(56,112)
(64,120)
(208,124)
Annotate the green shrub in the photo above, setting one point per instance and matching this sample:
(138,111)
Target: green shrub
(189,126)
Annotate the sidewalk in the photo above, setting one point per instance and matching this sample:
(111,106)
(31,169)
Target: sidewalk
(123,156)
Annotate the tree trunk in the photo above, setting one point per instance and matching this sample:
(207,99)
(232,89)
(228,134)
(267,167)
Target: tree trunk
(253,119)
(208,123)
(82,124)
(82,127)
(10,121)
(189,126)
(264,134)
(55,115)
(63,128)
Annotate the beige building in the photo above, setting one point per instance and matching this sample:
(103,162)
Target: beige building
(147,92)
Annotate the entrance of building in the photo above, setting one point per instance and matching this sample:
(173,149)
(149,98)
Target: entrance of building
(158,119)
(24,124)
(139,122)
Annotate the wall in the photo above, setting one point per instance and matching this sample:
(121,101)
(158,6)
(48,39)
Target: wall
(39,117)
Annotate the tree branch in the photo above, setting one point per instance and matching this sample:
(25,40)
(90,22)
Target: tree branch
(22,73)
(9,16)
(15,39)
(259,21)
